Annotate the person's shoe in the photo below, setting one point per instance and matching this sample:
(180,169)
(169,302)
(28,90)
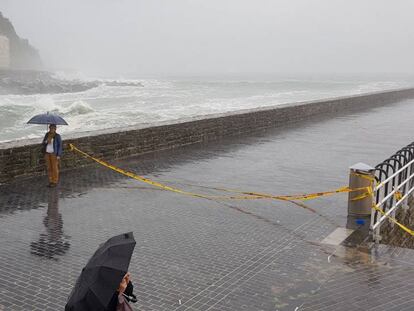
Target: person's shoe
(49,185)
(53,185)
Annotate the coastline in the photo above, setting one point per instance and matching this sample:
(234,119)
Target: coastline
(22,158)
(112,130)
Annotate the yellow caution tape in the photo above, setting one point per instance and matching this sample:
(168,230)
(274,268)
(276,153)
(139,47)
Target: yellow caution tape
(247,195)
(408,230)
(368,177)
(361,196)
(255,195)
(398,195)
(301,197)
(153,183)
(369,193)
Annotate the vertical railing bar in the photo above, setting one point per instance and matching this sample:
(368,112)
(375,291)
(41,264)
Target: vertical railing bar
(401,179)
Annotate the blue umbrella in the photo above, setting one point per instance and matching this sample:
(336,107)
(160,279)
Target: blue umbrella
(47,118)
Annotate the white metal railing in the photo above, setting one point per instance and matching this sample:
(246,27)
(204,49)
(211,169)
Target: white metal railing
(402,183)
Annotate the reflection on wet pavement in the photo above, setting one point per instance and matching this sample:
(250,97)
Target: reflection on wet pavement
(53,242)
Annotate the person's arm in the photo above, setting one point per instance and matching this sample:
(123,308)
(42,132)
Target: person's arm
(44,142)
(59,146)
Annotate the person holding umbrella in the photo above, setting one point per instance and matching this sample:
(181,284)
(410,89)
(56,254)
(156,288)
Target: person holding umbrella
(104,282)
(51,144)
(123,295)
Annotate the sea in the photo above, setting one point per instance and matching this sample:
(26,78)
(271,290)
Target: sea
(148,100)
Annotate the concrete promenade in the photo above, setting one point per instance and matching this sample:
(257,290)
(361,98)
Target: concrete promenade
(197,254)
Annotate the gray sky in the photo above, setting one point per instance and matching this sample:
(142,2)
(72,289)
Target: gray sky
(175,37)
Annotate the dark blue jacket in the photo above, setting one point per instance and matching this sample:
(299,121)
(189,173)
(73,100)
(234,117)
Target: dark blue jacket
(57,144)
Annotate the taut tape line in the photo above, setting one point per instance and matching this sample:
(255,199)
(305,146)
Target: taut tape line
(247,195)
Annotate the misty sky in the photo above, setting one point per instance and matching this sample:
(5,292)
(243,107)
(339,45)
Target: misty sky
(174,37)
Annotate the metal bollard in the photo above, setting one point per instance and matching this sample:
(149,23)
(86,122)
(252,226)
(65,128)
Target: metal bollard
(363,206)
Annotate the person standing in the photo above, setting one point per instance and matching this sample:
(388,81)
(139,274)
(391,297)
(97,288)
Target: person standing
(52,146)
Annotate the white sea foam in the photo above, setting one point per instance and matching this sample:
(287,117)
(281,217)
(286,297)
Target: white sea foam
(159,100)
(72,75)
(78,107)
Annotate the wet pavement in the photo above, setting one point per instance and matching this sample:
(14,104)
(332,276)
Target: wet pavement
(197,254)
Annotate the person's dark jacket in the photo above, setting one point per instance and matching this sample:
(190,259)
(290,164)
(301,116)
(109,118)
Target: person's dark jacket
(57,145)
(128,292)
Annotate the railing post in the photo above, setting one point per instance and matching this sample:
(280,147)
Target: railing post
(360,211)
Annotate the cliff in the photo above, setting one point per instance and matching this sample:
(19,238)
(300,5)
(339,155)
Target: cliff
(22,54)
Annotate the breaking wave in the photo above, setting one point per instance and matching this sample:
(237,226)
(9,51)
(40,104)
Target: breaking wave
(79,107)
(127,102)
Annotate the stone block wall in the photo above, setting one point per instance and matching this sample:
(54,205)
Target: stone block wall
(23,158)
(392,234)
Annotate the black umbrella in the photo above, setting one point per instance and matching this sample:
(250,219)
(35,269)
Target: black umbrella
(102,274)
(47,118)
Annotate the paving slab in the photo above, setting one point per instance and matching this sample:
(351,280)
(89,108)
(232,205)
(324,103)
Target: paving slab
(197,254)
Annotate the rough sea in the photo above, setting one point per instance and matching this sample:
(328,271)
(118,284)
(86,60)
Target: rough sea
(109,106)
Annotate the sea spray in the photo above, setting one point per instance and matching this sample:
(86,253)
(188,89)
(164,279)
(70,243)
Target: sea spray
(109,106)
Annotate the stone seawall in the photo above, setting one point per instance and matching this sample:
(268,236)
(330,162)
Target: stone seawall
(23,158)
(392,234)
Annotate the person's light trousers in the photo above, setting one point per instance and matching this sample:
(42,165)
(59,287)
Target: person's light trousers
(52,164)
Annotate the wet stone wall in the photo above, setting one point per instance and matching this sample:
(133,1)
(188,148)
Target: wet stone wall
(23,158)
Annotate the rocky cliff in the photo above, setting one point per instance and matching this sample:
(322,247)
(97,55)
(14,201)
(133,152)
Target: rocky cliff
(22,54)
(25,82)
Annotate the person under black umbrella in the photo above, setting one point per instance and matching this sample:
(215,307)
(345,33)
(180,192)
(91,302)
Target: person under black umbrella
(104,280)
